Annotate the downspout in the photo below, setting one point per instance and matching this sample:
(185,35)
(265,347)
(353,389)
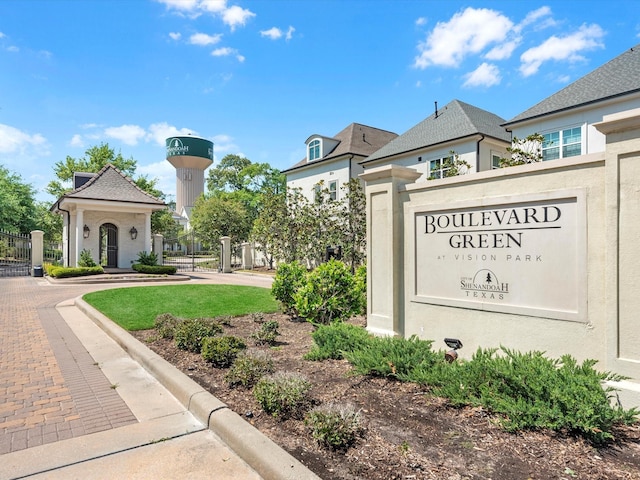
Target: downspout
(478,153)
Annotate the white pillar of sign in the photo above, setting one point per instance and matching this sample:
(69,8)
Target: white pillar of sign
(226,254)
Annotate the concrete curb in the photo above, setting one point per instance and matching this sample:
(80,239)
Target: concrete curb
(263,455)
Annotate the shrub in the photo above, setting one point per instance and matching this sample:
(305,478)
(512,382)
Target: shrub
(267,333)
(283,394)
(328,294)
(334,425)
(289,278)
(147,258)
(393,357)
(86,260)
(530,391)
(221,351)
(224,320)
(257,317)
(154,269)
(67,272)
(360,286)
(165,324)
(249,367)
(190,332)
(331,341)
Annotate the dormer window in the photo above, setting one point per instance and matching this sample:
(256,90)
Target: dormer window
(314,150)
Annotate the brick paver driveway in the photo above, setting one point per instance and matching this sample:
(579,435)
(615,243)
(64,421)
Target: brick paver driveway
(50,387)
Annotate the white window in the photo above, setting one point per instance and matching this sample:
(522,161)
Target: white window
(314,150)
(562,144)
(495,161)
(333,190)
(439,167)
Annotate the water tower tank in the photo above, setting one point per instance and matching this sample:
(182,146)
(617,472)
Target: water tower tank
(190,156)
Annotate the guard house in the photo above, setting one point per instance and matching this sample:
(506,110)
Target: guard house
(107,214)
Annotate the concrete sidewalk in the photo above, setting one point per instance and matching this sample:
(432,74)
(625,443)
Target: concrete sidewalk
(152,420)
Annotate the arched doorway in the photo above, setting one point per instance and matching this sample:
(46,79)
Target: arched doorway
(109,245)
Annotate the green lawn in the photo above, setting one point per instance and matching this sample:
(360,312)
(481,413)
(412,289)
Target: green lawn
(136,308)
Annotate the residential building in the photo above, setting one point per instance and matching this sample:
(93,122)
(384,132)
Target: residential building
(332,161)
(474,135)
(566,119)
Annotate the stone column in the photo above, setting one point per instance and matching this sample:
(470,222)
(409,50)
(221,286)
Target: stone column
(226,254)
(247,257)
(75,255)
(148,239)
(37,248)
(385,247)
(158,247)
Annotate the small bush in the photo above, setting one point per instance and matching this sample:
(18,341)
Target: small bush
(154,269)
(190,332)
(221,351)
(360,286)
(257,317)
(328,294)
(335,426)
(283,394)
(249,367)
(289,278)
(165,325)
(331,341)
(267,333)
(86,260)
(147,258)
(67,272)
(224,320)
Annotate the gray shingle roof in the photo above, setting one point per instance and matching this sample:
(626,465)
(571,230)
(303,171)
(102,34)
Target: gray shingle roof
(456,120)
(620,76)
(112,185)
(355,139)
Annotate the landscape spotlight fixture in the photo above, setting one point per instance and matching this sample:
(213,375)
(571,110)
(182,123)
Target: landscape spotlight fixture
(134,233)
(454,344)
(85,231)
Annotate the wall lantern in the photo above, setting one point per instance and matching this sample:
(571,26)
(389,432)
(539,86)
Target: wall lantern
(86,231)
(134,233)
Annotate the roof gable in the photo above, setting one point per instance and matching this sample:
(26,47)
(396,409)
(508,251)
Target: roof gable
(617,77)
(355,139)
(456,120)
(111,184)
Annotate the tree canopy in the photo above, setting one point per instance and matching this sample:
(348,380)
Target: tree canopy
(17,203)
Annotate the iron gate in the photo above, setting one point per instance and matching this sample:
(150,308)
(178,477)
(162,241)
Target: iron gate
(188,253)
(15,254)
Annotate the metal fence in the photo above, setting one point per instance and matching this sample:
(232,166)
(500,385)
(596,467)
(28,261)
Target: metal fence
(15,254)
(188,253)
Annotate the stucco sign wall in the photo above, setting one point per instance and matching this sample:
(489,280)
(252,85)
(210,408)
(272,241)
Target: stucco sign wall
(523,255)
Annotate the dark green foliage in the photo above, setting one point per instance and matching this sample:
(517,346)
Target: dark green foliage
(249,367)
(328,295)
(154,269)
(393,357)
(531,391)
(221,351)
(360,286)
(335,426)
(283,394)
(165,324)
(331,341)
(86,260)
(147,258)
(190,332)
(66,272)
(267,333)
(289,278)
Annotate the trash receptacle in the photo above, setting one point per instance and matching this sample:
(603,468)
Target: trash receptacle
(38,271)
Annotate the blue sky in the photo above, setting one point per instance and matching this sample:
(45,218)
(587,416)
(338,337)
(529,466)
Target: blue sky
(258,77)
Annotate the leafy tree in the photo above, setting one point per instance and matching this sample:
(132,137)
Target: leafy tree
(50,223)
(452,166)
(215,217)
(268,229)
(353,225)
(17,204)
(524,150)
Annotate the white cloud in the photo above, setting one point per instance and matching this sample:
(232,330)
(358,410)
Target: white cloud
(486,75)
(159,132)
(567,47)
(175,35)
(13,48)
(273,33)
(468,32)
(534,17)
(204,39)
(224,52)
(289,34)
(223,143)
(421,21)
(236,16)
(2,35)
(240,58)
(127,134)
(504,50)
(163,172)
(76,141)
(214,6)
(15,141)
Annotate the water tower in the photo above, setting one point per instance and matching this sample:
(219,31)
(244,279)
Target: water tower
(190,156)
